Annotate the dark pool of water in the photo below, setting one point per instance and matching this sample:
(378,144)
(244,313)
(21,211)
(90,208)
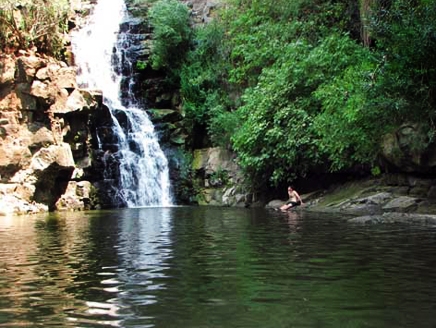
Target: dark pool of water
(214,267)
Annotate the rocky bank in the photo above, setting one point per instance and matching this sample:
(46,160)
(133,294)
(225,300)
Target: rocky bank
(389,198)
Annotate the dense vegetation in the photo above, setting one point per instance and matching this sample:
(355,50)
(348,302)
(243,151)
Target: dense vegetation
(296,87)
(37,23)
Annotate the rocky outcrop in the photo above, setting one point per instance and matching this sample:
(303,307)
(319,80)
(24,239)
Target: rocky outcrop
(390,198)
(202,11)
(408,149)
(218,178)
(43,133)
(386,218)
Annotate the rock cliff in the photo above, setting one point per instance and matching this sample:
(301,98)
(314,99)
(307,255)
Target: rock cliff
(44,135)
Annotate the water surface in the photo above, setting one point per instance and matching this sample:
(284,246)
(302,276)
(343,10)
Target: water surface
(214,267)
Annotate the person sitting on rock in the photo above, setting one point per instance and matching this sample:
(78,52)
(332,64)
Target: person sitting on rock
(294,200)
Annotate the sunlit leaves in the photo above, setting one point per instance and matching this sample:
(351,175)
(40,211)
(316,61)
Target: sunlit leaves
(278,136)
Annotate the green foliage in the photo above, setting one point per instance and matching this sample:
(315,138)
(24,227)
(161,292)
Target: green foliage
(203,84)
(294,89)
(384,89)
(376,171)
(141,65)
(277,140)
(200,73)
(222,122)
(34,23)
(405,32)
(219,178)
(258,31)
(351,123)
(171,34)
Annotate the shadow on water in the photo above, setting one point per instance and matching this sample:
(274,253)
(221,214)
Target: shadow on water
(213,267)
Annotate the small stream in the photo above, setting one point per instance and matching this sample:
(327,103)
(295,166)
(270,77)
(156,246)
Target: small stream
(214,267)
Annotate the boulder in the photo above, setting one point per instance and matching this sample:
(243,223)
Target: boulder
(76,197)
(12,205)
(27,67)
(214,159)
(79,100)
(13,158)
(164,115)
(60,155)
(42,137)
(65,78)
(45,92)
(202,11)
(48,72)
(275,203)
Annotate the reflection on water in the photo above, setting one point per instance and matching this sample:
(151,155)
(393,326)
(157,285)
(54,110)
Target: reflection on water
(213,267)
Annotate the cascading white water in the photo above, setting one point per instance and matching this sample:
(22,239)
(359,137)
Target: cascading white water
(143,167)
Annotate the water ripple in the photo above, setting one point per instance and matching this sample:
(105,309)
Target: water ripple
(214,268)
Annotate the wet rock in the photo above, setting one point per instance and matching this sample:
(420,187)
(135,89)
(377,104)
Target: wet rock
(164,115)
(275,203)
(385,218)
(12,205)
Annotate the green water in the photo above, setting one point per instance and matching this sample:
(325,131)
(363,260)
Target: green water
(214,267)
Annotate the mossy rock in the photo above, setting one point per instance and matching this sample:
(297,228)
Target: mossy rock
(346,192)
(164,115)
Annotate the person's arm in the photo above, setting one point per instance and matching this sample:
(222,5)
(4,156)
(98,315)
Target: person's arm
(298,197)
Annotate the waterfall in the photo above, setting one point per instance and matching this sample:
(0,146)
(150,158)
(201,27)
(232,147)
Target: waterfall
(142,177)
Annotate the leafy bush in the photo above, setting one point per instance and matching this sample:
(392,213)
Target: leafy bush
(171,34)
(34,23)
(351,123)
(278,140)
(200,73)
(204,87)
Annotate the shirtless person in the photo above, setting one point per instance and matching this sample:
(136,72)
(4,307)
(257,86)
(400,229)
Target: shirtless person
(294,200)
